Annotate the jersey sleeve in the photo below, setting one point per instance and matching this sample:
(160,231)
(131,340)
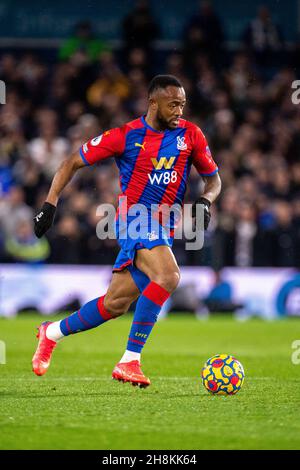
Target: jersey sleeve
(109,144)
(201,156)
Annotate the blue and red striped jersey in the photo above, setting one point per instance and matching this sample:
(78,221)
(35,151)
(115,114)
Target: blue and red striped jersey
(154,166)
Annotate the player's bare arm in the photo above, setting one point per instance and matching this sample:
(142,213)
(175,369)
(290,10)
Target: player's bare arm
(63,176)
(44,219)
(212,189)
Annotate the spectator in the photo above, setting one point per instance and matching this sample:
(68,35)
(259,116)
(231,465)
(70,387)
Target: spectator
(6,176)
(14,211)
(49,149)
(263,37)
(139,27)
(239,240)
(286,240)
(219,298)
(23,246)
(138,59)
(66,243)
(110,82)
(203,35)
(83,43)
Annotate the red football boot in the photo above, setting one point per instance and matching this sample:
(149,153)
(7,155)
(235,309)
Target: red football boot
(42,356)
(130,372)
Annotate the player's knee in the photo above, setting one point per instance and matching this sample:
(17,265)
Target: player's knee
(168,281)
(116,307)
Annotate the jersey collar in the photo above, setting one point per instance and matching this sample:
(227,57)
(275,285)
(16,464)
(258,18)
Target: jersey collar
(151,128)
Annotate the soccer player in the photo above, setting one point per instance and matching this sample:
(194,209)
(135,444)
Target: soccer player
(154,154)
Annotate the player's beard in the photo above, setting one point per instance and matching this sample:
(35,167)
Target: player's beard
(162,122)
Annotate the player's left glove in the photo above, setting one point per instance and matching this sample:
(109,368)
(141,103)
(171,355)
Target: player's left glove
(206,205)
(44,219)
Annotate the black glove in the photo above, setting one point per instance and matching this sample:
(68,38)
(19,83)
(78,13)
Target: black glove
(44,219)
(206,205)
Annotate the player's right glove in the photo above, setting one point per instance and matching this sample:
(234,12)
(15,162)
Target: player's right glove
(44,219)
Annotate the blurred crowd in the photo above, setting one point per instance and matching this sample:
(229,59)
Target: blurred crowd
(240,98)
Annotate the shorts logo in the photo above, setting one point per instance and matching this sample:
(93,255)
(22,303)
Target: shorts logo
(96,140)
(181,145)
(152,236)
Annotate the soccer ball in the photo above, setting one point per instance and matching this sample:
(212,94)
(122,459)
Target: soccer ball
(223,374)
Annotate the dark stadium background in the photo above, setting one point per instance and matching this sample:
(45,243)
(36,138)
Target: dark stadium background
(60,93)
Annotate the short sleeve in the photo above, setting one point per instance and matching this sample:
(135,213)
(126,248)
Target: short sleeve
(201,156)
(109,144)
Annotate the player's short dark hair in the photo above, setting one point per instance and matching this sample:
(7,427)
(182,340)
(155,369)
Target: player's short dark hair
(163,81)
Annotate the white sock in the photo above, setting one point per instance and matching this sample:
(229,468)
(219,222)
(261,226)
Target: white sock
(130,356)
(53,331)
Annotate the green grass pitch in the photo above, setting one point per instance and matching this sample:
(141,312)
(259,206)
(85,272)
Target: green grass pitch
(76,405)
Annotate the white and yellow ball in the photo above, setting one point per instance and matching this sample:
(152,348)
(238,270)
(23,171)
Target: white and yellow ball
(223,374)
